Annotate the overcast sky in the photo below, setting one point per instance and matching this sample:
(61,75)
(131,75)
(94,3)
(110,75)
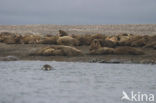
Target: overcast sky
(77,12)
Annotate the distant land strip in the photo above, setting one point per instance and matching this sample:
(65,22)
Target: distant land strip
(140,29)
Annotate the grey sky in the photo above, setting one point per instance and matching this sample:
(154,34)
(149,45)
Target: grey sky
(77,11)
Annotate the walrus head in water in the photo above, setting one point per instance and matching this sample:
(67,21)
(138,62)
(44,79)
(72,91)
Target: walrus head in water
(46,67)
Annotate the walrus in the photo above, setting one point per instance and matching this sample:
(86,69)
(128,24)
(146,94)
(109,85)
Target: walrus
(67,40)
(46,67)
(62,33)
(95,44)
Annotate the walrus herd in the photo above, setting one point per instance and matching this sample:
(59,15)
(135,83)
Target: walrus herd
(64,44)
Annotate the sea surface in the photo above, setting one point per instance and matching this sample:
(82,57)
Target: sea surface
(73,82)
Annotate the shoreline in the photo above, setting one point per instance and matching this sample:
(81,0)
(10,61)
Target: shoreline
(21,52)
(115,43)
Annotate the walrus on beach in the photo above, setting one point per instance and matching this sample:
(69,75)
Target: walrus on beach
(62,33)
(57,51)
(102,51)
(10,38)
(125,50)
(30,39)
(95,44)
(97,49)
(49,39)
(67,40)
(83,39)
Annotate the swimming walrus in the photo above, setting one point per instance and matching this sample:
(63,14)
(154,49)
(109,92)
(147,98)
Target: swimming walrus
(47,67)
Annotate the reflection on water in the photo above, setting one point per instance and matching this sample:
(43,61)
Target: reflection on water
(25,82)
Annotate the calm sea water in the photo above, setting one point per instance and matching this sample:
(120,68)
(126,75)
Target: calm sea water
(25,82)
